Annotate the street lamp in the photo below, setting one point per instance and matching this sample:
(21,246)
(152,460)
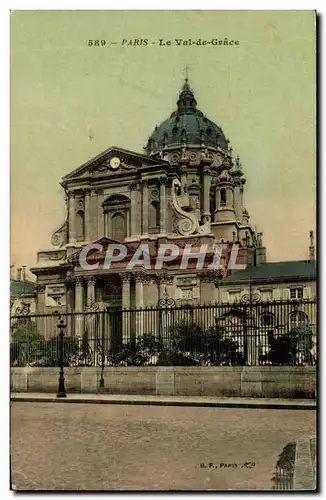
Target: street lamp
(61,388)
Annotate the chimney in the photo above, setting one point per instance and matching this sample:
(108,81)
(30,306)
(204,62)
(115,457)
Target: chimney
(24,273)
(19,273)
(12,271)
(312,246)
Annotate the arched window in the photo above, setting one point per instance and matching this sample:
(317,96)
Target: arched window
(223,196)
(267,319)
(80,226)
(116,215)
(119,227)
(154,215)
(298,319)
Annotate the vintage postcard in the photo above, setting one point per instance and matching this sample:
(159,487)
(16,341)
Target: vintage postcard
(163,250)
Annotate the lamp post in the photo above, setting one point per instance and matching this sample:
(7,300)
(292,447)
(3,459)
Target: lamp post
(61,387)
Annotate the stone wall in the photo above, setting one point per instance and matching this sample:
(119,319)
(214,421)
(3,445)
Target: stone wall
(255,381)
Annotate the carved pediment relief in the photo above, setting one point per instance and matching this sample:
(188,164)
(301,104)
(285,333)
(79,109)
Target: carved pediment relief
(111,160)
(114,164)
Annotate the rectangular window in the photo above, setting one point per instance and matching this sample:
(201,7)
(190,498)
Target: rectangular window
(234,296)
(266,294)
(296,293)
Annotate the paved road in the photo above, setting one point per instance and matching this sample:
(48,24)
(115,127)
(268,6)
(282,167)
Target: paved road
(113,447)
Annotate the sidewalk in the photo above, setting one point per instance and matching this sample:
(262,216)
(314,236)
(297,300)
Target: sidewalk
(200,401)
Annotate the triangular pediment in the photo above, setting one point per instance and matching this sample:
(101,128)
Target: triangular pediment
(112,161)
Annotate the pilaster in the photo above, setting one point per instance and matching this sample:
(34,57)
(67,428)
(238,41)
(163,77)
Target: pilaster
(87,194)
(163,208)
(145,207)
(71,201)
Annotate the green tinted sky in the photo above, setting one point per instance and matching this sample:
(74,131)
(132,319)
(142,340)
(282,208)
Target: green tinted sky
(261,92)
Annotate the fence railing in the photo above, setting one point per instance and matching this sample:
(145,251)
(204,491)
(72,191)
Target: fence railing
(264,333)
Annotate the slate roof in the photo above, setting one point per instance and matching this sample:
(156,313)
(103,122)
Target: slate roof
(275,271)
(19,288)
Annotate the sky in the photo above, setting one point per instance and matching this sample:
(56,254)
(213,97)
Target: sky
(70,101)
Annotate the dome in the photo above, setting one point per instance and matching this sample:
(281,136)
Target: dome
(186,125)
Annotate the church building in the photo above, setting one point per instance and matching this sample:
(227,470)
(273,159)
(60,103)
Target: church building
(185,188)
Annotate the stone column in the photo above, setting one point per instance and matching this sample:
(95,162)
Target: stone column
(100,215)
(163,214)
(206,215)
(126,315)
(87,194)
(134,215)
(139,293)
(91,280)
(145,207)
(79,321)
(71,216)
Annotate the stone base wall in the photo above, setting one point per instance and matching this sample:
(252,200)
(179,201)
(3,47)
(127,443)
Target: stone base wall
(219,381)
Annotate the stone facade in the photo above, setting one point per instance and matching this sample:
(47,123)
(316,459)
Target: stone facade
(186,189)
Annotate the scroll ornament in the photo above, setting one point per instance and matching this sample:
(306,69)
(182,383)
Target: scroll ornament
(187,223)
(59,237)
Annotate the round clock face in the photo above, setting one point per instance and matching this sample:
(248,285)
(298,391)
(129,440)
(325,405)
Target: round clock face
(115,162)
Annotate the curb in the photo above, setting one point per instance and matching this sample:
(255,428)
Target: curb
(310,405)
(303,477)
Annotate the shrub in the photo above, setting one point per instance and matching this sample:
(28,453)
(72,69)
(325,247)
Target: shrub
(191,344)
(294,347)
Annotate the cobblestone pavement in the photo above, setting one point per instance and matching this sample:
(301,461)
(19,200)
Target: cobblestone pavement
(113,447)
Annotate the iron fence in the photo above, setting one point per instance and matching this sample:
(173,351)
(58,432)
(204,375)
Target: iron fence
(246,333)
(283,478)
